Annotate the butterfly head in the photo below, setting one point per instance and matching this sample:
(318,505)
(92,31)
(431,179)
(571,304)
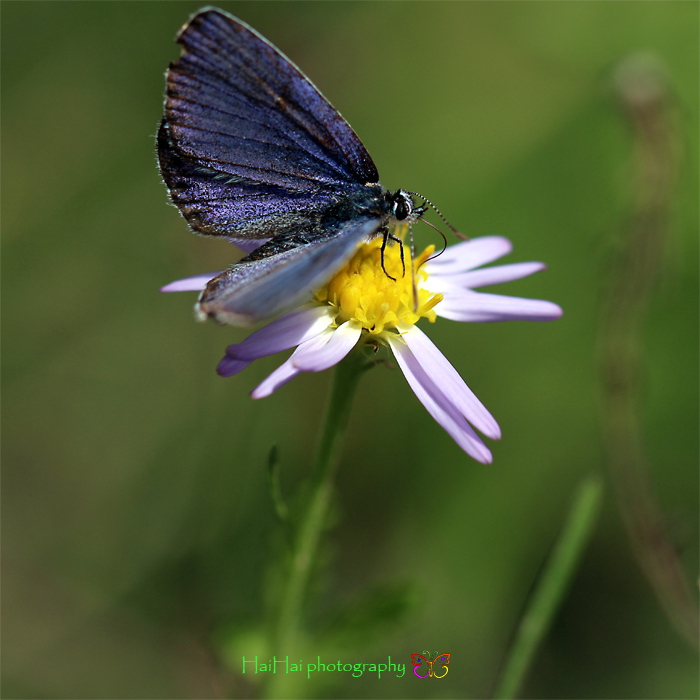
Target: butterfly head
(403,208)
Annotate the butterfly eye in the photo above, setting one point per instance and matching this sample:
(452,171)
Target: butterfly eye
(403,206)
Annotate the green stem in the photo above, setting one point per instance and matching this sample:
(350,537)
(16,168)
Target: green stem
(551,586)
(287,629)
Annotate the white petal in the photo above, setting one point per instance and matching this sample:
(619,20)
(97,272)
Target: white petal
(190,284)
(447,379)
(342,340)
(311,348)
(470,254)
(283,374)
(465,305)
(437,405)
(487,276)
(283,333)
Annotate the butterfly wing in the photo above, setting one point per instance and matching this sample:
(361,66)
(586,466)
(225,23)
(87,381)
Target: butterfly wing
(252,290)
(246,138)
(217,204)
(441,661)
(417,660)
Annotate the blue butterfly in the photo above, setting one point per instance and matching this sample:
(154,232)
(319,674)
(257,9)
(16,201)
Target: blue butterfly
(251,151)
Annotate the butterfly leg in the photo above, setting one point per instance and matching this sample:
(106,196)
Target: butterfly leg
(390,237)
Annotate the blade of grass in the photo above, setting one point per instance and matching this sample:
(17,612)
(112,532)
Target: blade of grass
(549,589)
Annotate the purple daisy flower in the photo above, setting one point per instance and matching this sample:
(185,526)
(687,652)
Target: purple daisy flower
(362,304)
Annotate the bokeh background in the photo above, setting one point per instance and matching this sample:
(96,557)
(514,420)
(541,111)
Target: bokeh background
(138,529)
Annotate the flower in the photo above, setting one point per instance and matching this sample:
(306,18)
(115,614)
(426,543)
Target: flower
(363,304)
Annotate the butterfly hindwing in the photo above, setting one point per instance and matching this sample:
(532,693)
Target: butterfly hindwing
(256,289)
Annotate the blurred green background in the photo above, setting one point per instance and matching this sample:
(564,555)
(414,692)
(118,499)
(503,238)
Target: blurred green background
(137,523)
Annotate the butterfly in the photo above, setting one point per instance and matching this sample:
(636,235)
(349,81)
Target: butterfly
(417,659)
(251,151)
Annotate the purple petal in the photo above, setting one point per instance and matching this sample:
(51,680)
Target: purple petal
(190,284)
(228,366)
(316,359)
(470,254)
(465,305)
(446,377)
(437,404)
(248,245)
(287,371)
(283,333)
(484,277)
(283,374)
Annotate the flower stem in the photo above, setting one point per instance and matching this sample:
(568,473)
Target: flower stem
(633,273)
(551,586)
(286,633)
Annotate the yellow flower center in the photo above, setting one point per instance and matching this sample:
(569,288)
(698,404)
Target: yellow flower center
(363,291)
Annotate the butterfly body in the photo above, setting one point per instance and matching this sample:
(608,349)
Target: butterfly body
(251,151)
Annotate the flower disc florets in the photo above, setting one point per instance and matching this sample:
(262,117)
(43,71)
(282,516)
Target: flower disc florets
(364,292)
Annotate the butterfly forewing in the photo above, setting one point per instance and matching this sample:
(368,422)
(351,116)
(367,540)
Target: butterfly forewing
(218,204)
(219,49)
(236,105)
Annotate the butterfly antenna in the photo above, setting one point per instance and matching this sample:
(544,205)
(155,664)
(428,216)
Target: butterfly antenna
(444,241)
(414,282)
(441,215)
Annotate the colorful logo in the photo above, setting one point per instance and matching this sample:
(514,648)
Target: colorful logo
(430,659)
